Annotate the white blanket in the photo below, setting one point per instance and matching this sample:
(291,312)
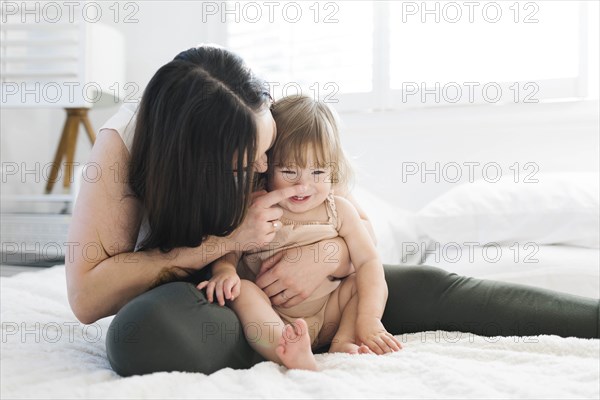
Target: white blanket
(46,353)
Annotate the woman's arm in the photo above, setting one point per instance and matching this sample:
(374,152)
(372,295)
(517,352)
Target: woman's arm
(103,272)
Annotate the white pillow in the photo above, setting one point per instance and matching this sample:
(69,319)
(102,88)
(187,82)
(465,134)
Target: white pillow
(393,227)
(562,208)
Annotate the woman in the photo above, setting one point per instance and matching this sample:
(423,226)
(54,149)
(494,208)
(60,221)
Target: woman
(175,194)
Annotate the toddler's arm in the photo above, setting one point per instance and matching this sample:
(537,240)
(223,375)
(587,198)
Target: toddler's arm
(225,282)
(361,213)
(370,280)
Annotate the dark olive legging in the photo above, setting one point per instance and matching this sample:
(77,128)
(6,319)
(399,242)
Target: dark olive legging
(174,328)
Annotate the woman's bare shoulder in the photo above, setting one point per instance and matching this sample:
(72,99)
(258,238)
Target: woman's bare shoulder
(105,213)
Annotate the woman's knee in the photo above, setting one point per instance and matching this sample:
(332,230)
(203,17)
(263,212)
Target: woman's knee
(174,328)
(415,293)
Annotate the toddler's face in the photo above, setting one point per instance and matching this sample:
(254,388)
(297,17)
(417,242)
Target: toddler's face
(316,179)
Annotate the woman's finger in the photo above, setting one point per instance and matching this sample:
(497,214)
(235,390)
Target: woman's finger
(267,265)
(282,297)
(274,289)
(276,225)
(265,280)
(292,301)
(267,237)
(274,197)
(257,194)
(202,285)
(271,214)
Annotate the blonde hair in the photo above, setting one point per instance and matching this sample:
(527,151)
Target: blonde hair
(304,127)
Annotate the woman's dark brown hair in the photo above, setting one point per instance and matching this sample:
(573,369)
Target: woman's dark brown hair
(195,119)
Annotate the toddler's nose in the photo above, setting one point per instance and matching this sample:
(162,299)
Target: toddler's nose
(305,178)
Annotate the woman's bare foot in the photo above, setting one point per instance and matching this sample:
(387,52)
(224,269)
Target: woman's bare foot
(349,347)
(294,347)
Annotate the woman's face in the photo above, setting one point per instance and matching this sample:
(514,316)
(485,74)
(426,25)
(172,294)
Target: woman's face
(266,132)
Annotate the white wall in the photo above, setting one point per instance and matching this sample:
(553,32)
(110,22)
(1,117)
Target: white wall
(557,137)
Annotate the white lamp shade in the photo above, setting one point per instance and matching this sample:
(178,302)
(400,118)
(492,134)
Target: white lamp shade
(64,64)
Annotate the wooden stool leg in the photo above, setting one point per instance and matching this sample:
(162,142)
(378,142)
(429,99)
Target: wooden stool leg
(67,144)
(60,152)
(88,127)
(74,120)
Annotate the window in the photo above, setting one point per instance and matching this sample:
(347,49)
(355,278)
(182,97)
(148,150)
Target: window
(390,55)
(325,53)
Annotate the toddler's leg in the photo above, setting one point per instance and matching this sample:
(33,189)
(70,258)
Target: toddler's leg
(345,338)
(288,345)
(340,319)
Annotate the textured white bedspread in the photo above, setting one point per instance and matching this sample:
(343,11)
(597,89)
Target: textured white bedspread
(46,353)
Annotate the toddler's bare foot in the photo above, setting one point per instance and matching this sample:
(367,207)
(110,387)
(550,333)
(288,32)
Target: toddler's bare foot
(349,347)
(294,347)
(364,349)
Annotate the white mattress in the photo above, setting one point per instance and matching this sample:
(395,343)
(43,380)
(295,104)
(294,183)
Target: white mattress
(569,269)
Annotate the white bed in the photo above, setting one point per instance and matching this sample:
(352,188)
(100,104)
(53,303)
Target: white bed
(47,353)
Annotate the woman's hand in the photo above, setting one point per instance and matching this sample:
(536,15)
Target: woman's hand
(291,276)
(262,219)
(225,285)
(371,332)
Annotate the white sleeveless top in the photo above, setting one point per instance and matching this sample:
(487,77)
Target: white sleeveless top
(124,123)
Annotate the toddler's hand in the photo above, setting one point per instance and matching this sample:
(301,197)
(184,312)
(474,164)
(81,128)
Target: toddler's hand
(225,285)
(371,332)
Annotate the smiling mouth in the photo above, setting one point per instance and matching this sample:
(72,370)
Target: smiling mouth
(299,199)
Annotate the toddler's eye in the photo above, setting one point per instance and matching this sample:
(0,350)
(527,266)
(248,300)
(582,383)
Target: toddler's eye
(318,172)
(288,172)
